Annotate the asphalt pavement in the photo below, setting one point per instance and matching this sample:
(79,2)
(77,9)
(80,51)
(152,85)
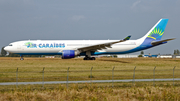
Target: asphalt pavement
(93,81)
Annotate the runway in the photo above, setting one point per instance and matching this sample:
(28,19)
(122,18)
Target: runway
(93,81)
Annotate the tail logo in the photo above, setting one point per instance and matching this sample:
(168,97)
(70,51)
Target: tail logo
(156,34)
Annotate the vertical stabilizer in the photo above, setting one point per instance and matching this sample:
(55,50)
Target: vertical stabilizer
(157,31)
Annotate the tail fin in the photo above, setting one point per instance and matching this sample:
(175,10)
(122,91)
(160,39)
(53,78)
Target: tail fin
(157,31)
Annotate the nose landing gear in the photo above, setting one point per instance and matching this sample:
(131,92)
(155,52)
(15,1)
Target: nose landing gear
(21,57)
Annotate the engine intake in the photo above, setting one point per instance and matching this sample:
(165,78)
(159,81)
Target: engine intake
(67,54)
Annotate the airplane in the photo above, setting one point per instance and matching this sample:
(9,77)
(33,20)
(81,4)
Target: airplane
(72,48)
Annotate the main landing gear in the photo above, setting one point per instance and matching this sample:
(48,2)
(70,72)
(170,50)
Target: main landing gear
(21,57)
(89,58)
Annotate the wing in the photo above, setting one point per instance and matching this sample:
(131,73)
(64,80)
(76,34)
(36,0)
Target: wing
(101,46)
(160,42)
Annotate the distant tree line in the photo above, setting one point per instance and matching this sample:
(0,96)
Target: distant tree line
(141,54)
(3,52)
(176,52)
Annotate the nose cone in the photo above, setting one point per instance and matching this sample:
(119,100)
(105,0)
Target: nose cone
(6,48)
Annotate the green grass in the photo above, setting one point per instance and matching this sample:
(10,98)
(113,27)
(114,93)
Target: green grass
(56,69)
(95,92)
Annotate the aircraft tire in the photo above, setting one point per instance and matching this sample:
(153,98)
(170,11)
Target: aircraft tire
(89,58)
(93,58)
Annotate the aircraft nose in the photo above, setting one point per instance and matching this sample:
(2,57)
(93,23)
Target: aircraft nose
(6,48)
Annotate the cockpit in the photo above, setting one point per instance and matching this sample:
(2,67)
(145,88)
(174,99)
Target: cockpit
(10,45)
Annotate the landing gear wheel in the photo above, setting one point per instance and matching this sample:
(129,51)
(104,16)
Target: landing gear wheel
(21,58)
(86,57)
(93,58)
(89,58)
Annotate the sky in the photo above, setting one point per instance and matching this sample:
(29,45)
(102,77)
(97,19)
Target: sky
(88,20)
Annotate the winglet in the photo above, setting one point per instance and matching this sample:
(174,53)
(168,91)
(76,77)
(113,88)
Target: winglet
(127,38)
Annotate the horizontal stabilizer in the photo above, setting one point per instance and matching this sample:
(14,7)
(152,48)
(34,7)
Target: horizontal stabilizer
(154,43)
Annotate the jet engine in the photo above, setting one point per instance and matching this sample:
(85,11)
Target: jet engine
(67,54)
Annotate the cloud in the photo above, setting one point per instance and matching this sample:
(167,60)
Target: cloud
(135,4)
(147,6)
(77,17)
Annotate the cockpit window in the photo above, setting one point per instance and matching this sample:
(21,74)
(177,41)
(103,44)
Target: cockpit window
(10,45)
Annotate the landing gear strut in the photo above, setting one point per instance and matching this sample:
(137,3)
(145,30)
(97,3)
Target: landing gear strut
(89,58)
(21,57)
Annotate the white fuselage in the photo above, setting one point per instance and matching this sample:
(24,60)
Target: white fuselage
(57,46)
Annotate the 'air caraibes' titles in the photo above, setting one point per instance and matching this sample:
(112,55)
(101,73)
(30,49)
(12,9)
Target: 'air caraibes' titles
(88,48)
(44,45)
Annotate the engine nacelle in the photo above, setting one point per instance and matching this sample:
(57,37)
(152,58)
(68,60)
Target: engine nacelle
(67,54)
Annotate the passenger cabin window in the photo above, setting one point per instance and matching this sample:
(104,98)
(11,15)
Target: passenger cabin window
(10,44)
